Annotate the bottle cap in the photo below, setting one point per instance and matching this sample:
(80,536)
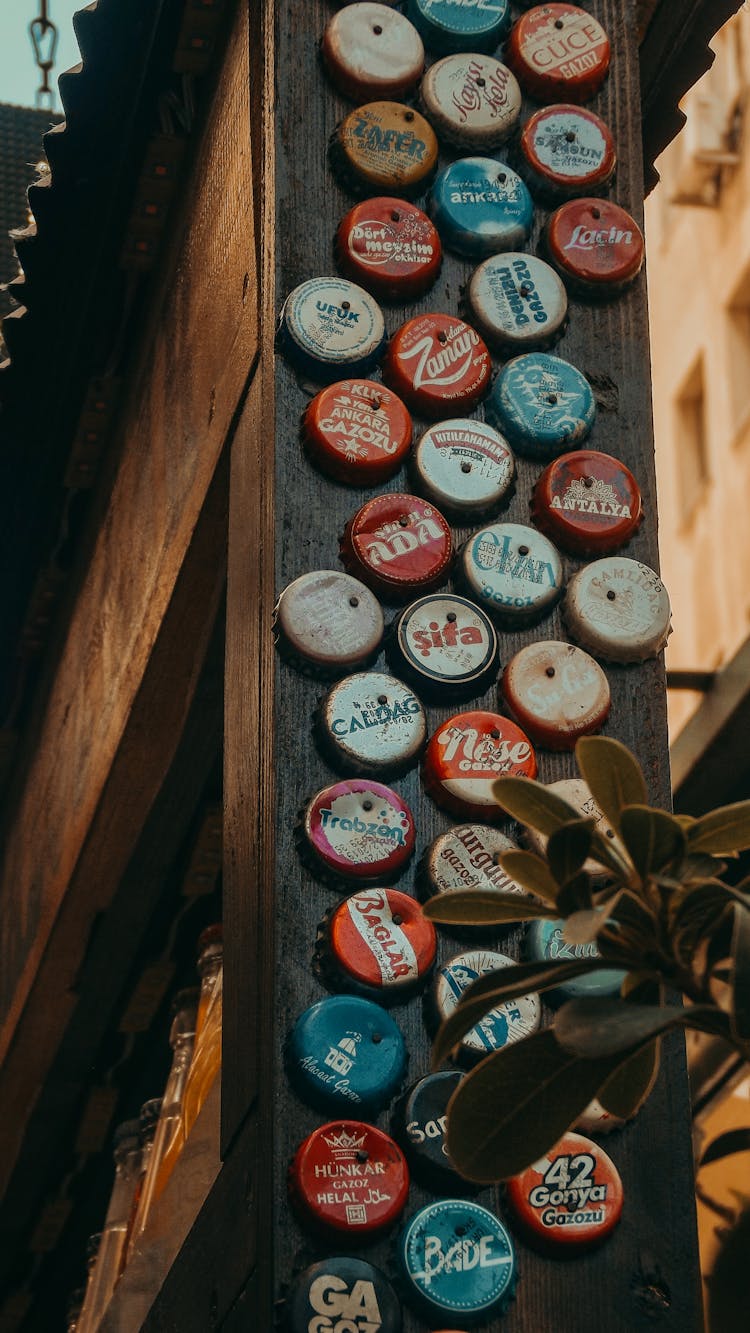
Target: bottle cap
(556,692)
(398,544)
(513,571)
(464,466)
(377,942)
(347,1290)
(567,151)
(326,623)
(466,857)
(330,327)
(384,148)
(576,794)
(544,942)
(372,51)
(559,53)
(571,1198)
(371,723)
(359,830)
(596,246)
(346,1054)
(517,302)
(357,431)
(542,404)
(509,1021)
(618,609)
(457,1259)
(466,755)
(595,1120)
(419,1123)
(391,247)
(461,25)
(445,645)
(438,363)
(480,207)
(587,502)
(350,1179)
(471,100)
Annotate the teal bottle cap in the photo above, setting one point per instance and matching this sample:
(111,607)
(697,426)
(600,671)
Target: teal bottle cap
(542,404)
(457,1260)
(480,207)
(546,943)
(346,1054)
(461,25)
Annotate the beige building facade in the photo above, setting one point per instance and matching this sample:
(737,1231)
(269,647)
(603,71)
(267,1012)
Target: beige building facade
(698,231)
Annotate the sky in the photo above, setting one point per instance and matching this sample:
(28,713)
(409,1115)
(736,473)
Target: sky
(19,76)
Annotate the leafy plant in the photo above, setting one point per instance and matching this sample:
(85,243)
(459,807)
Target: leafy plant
(655,906)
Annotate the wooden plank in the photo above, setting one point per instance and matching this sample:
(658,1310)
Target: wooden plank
(188,381)
(646,1275)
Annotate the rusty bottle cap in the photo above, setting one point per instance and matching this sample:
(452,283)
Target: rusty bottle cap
(378,943)
(356,830)
(471,100)
(399,545)
(513,572)
(509,1021)
(596,246)
(517,302)
(384,148)
(445,646)
(357,431)
(390,247)
(371,723)
(467,856)
(372,51)
(567,151)
(618,609)
(327,623)
(587,502)
(466,755)
(576,794)
(349,1179)
(569,1200)
(438,364)
(557,693)
(559,53)
(464,466)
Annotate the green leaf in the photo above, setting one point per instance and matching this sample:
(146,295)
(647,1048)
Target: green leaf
(596,1028)
(722,831)
(483,907)
(741,974)
(653,838)
(533,804)
(734,1140)
(575,896)
(584,927)
(532,872)
(629,1086)
(568,848)
(613,775)
(498,986)
(516,1104)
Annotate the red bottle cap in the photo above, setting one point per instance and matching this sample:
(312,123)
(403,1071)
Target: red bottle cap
(372,51)
(596,246)
(557,693)
(327,623)
(466,755)
(437,362)
(357,432)
(588,503)
(358,830)
(559,53)
(570,1199)
(390,247)
(377,942)
(567,151)
(399,545)
(350,1179)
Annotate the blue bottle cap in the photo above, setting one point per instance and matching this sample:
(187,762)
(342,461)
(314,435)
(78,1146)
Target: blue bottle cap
(330,328)
(509,1021)
(481,207)
(544,943)
(342,1293)
(346,1053)
(461,25)
(457,1259)
(542,404)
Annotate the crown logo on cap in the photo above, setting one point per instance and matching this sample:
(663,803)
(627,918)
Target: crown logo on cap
(343,1144)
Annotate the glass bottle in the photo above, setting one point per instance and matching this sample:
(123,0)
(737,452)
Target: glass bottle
(169,1125)
(92,1250)
(73,1312)
(111,1253)
(206,1061)
(147,1122)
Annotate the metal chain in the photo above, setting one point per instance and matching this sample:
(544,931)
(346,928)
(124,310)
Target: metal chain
(44,36)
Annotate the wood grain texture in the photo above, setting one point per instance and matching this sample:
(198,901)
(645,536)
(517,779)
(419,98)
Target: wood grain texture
(646,1275)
